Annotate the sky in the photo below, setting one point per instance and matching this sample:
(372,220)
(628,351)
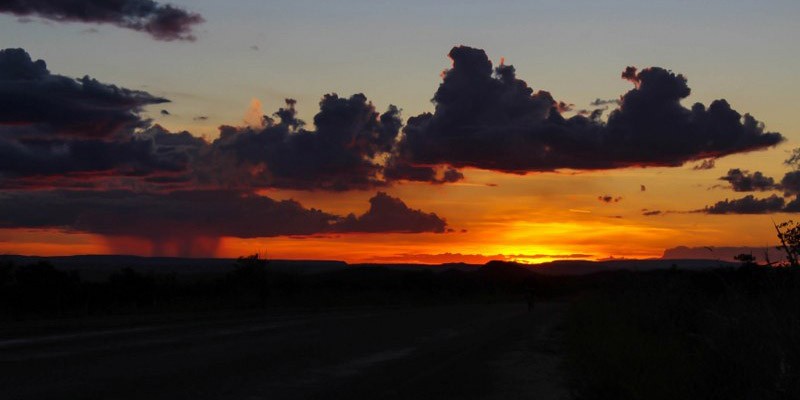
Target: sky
(454,131)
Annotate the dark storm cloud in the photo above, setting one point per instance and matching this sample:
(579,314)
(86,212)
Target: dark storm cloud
(341,153)
(705,165)
(209,213)
(747,205)
(487,118)
(743,181)
(793,206)
(33,100)
(57,132)
(399,171)
(126,213)
(790,183)
(390,214)
(52,125)
(61,157)
(161,21)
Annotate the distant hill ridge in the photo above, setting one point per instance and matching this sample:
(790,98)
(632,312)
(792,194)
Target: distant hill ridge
(100,266)
(725,253)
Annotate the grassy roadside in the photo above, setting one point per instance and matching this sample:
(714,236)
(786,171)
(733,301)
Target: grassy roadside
(725,334)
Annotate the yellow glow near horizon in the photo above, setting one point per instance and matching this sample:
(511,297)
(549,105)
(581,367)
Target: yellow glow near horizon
(521,216)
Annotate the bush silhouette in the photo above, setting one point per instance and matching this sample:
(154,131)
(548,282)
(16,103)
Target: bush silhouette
(789,235)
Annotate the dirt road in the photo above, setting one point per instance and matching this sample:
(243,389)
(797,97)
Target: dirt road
(459,352)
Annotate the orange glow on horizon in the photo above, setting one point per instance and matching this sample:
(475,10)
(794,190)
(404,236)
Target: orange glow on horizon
(531,219)
(352,248)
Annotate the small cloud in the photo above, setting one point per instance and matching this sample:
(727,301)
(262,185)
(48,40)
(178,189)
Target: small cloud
(28,20)
(165,112)
(642,188)
(705,164)
(201,118)
(609,199)
(650,213)
(747,205)
(743,181)
(602,102)
(254,48)
(254,116)
(390,214)
(790,183)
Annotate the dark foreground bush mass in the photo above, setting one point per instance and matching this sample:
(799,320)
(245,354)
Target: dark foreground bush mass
(722,334)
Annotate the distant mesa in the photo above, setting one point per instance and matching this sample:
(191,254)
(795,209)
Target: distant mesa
(722,253)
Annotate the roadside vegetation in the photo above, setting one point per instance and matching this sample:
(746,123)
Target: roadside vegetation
(723,334)
(718,334)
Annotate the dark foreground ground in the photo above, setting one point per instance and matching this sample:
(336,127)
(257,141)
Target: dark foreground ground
(458,351)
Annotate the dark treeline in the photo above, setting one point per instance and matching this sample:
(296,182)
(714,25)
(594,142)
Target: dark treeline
(40,290)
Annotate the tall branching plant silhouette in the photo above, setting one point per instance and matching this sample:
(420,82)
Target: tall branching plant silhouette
(789,235)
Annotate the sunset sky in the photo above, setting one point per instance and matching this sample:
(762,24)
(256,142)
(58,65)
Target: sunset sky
(454,131)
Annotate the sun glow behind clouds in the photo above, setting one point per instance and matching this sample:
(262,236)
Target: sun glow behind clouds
(591,239)
(522,241)
(528,219)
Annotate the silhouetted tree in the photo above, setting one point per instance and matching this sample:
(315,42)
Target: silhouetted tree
(253,261)
(42,288)
(251,274)
(789,235)
(747,260)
